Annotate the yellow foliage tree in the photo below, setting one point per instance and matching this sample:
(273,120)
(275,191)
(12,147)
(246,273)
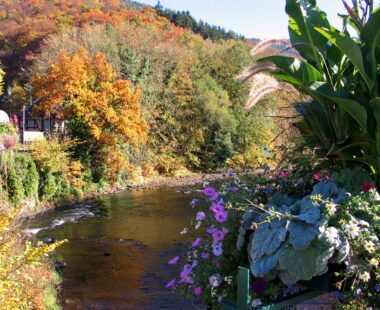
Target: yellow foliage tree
(85,89)
(2,73)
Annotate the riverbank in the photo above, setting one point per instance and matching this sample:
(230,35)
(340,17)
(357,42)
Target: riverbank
(31,210)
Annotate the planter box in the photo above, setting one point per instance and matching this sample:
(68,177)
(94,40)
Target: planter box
(315,287)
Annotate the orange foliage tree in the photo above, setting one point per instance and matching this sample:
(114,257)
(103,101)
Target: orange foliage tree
(103,111)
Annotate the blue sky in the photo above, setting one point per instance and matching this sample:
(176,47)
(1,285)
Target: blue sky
(252,18)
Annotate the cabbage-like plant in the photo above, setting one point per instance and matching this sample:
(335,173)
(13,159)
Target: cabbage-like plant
(293,239)
(300,239)
(340,73)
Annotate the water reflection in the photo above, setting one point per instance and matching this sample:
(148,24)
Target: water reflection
(116,256)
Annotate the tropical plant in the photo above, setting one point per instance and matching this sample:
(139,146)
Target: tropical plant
(339,72)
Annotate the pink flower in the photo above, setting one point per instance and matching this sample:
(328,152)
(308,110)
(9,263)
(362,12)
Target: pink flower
(9,141)
(316,176)
(173,261)
(171,283)
(367,186)
(197,291)
(221,217)
(200,216)
(282,174)
(197,242)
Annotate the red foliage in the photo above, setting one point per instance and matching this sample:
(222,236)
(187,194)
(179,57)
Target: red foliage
(24,23)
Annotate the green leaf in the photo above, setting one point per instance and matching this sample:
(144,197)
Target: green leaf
(302,35)
(306,211)
(349,47)
(263,265)
(331,237)
(371,36)
(344,100)
(267,238)
(302,234)
(344,249)
(296,71)
(307,263)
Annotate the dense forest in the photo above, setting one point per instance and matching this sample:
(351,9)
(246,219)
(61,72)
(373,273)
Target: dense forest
(140,95)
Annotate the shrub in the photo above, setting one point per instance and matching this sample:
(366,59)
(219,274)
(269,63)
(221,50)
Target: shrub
(49,187)
(14,185)
(26,169)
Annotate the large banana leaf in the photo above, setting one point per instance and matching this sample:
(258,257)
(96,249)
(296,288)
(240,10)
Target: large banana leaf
(294,70)
(344,100)
(302,35)
(348,47)
(371,36)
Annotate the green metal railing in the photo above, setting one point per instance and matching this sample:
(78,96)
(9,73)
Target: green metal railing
(243,296)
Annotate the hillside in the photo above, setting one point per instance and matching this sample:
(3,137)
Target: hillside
(25,23)
(179,92)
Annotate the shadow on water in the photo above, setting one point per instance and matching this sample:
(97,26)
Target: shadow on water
(118,248)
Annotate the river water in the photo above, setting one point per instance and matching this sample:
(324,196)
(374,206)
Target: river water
(118,248)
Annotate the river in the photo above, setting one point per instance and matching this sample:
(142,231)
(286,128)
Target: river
(118,248)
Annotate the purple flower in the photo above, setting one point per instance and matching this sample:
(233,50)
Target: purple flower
(220,298)
(185,275)
(200,216)
(230,172)
(259,285)
(214,280)
(171,283)
(217,264)
(194,202)
(269,191)
(358,293)
(173,261)
(194,264)
(338,295)
(211,193)
(221,217)
(211,229)
(216,208)
(218,235)
(197,291)
(187,279)
(377,288)
(217,249)
(233,189)
(187,268)
(196,243)
(205,256)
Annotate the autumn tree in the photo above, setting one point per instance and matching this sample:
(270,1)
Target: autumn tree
(103,111)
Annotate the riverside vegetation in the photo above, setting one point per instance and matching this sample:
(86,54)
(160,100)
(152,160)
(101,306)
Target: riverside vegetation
(141,96)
